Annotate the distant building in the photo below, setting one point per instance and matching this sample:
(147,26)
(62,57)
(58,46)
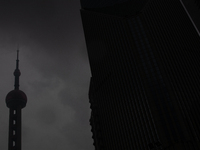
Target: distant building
(15,101)
(145,62)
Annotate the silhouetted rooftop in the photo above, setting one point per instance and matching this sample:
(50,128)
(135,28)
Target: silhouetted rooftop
(115,7)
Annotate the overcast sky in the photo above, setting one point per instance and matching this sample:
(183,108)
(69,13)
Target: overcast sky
(55,73)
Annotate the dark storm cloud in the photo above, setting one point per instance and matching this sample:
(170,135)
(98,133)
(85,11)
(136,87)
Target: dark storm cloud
(77,100)
(47,115)
(3,132)
(49,23)
(55,72)
(76,136)
(51,29)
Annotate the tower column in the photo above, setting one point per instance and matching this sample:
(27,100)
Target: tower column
(14,129)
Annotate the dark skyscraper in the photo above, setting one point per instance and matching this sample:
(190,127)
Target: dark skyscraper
(15,101)
(145,86)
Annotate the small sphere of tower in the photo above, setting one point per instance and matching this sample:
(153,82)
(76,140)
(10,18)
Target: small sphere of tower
(16,99)
(17,72)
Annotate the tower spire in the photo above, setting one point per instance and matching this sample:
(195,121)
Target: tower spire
(17,72)
(17,64)
(15,101)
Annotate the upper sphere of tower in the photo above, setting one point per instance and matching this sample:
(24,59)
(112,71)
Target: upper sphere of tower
(17,72)
(16,98)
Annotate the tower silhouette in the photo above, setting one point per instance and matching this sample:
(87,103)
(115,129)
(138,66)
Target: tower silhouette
(15,101)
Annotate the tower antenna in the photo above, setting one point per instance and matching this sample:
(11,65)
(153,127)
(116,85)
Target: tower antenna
(17,72)
(17,61)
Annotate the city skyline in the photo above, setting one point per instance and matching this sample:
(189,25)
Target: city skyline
(55,75)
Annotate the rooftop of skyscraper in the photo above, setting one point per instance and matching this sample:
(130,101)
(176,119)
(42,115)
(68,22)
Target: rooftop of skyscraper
(115,7)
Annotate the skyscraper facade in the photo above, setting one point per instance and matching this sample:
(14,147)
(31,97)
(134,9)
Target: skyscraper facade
(145,87)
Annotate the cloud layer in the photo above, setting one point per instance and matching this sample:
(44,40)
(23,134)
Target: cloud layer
(55,73)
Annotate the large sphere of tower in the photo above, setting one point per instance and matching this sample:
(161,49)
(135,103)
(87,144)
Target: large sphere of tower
(16,99)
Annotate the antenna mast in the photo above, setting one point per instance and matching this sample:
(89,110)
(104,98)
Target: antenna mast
(17,72)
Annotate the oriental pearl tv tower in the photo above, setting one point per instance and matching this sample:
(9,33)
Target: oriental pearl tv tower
(15,101)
